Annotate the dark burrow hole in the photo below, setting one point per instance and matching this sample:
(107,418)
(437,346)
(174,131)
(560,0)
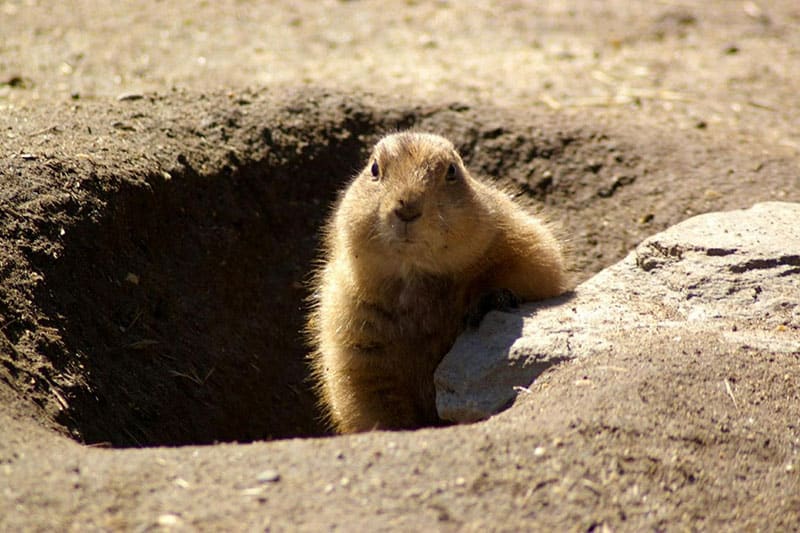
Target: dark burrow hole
(181,310)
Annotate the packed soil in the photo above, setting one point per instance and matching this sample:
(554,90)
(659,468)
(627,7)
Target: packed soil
(165,168)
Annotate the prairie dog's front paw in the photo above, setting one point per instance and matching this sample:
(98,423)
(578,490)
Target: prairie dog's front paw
(494,300)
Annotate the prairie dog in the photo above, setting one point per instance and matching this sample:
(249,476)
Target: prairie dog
(413,245)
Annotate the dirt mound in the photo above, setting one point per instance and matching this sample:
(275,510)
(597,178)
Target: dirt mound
(154,253)
(156,250)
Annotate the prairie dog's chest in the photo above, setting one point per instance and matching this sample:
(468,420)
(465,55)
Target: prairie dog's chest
(427,305)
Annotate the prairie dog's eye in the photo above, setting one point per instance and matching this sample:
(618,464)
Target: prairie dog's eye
(452,172)
(375,170)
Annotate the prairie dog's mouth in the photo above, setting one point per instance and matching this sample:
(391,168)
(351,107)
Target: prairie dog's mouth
(403,240)
(403,231)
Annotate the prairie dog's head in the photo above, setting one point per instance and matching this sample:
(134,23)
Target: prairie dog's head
(416,205)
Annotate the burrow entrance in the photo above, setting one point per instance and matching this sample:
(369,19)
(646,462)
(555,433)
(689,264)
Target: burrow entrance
(180,307)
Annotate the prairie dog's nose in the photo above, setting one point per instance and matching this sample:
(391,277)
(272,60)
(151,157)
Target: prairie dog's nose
(407,211)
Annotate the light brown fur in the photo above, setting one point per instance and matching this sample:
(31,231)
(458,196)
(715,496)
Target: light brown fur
(406,255)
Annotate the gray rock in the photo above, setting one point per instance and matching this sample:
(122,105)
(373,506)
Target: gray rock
(735,275)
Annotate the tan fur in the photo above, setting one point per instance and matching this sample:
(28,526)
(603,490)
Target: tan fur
(391,295)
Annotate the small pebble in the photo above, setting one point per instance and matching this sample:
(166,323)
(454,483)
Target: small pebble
(127,97)
(269,476)
(167,520)
(252,491)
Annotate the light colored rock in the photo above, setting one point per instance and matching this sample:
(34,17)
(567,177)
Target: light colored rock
(733,274)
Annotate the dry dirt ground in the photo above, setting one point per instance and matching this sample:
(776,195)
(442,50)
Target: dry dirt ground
(164,170)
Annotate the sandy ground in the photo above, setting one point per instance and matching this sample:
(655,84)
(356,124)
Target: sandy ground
(695,100)
(731,65)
